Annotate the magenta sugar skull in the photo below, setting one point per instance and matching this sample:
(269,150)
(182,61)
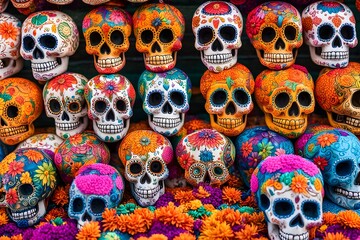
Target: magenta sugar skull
(289,190)
(96,187)
(329,30)
(49,38)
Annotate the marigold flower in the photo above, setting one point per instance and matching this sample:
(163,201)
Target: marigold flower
(330,218)
(61,195)
(335,236)
(202,193)
(121,222)
(184,196)
(3,217)
(147,216)
(349,219)
(171,215)
(229,216)
(247,233)
(90,231)
(231,195)
(34,155)
(109,220)
(299,184)
(54,213)
(17,237)
(136,224)
(326,139)
(185,236)
(5,238)
(214,229)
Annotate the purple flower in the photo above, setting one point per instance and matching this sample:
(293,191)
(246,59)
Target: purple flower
(165,199)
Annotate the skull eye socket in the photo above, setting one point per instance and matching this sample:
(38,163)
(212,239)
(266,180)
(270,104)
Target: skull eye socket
(28,43)
(12,111)
(218,171)
(95,38)
(241,97)
(282,100)
(135,168)
(206,35)
(219,97)
(97,205)
(48,41)
(2,196)
(166,36)
(304,99)
(155,98)
(197,170)
(74,107)
(355,99)
(283,208)
(26,189)
(78,205)
(326,32)
(290,33)
(311,210)
(177,98)
(100,106)
(156,166)
(268,34)
(117,37)
(264,202)
(147,36)
(347,32)
(54,106)
(344,168)
(228,33)
(120,105)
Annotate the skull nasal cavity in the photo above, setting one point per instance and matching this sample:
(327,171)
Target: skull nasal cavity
(86,217)
(145,179)
(105,49)
(167,108)
(65,117)
(38,53)
(110,115)
(337,42)
(217,46)
(357,179)
(297,221)
(155,47)
(294,110)
(279,44)
(230,108)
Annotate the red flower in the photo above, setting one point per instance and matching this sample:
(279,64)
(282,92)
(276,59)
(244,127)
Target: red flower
(207,138)
(62,82)
(11,196)
(15,168)
(320,162)
(186,161)
(253,25)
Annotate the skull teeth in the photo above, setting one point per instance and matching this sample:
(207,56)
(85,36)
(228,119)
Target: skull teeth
(218,58)
(166,122)
(67,126)
(289,124)
(278,57)
(108,128)
(10,131)
(147,193)
(347,194)
(25,214)
(289,236)
(1,64)
(229,122)
(335,55)
(44,67)
(159,59)
(109,62)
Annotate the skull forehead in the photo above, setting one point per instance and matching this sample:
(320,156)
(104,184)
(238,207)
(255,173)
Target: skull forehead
(47,141)
(65,85)
(11,88)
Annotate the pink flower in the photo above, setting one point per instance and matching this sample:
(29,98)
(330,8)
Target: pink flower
(254,183)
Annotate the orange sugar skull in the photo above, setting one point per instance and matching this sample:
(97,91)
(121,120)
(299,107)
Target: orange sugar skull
(287,98)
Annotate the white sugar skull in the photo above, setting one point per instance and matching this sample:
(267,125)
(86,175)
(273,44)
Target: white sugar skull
(166,98)
(287,98)
(329,30)
(145,155)
(29,178)
(206,156)
(107,38)
(96,187)
(159,29)
(228,98)
(10,40)
(217,27)
(60,2)
(47,141)
(289,190)
(275,30)
(110,99)
(65,102)
(48,39)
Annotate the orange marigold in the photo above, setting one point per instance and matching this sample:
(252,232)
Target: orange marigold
(299,184)
(5,238)
(184,196)
(121,222)
(235,181)
(185,236)
(61,195)
(147,216)
(202,193)
(231,195)
(335,236)
(54,213)
(247,233)
(154,237)
(3,217)
(349,218)
(90,231)
(214,229)
(136,224)
(326,139)
(229,216)
(330,218)
(173,216)
(250,201)
(17,237)
(109,220)
(34,155)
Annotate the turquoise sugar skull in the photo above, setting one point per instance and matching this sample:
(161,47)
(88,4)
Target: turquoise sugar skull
(254,145)
(96,187)
(166,97)
(28,178)
(289,190)
(336,153)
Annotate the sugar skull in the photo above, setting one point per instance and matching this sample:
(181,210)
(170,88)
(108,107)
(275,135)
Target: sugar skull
(206,156)
(110,99)
(255,145)
(338,92)
(79,150)
(336,153)
(166,98)
(228,98)
(65,102)
(275,30)
(287,98)
(20,104)
(96,187)
(217,27)
(46,141)
(29,178)
(10,60)
(29,6)
(95,2)
(145,155)
(159,29)
(289,190)
(107,38)
(60,2)
(48,39)
(329,30)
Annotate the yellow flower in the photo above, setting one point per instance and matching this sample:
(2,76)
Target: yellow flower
(317,185)
(195,204)
(26,178)
(4,164)
(46,173)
